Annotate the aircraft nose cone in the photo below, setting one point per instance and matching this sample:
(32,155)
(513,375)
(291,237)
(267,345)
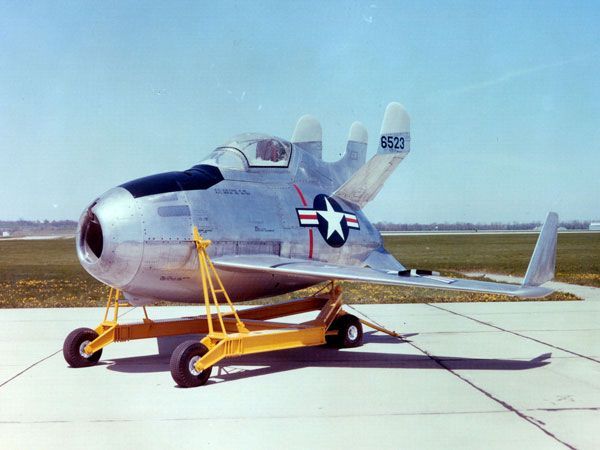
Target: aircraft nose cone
(109,238)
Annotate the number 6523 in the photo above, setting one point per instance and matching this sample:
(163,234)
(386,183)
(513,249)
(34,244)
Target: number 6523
(393,142)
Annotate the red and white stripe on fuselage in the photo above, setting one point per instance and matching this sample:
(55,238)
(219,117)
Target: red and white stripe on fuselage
(352,220)
(308,217)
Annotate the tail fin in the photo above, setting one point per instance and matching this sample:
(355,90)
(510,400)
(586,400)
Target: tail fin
(356,152)
(543,261)
(394,145)
(308,135)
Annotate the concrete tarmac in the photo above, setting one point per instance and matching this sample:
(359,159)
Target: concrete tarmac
(469,375)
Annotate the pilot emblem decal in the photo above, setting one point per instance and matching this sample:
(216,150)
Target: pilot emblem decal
(333,222)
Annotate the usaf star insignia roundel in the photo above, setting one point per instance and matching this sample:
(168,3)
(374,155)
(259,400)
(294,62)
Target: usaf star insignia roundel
(333,222)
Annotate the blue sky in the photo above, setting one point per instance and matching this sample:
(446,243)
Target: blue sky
(504,97)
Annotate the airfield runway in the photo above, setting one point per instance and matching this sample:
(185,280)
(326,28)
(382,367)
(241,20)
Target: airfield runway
(477,375)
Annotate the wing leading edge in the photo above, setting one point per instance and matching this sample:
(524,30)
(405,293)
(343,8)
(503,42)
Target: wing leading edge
(540,270)
(324,272)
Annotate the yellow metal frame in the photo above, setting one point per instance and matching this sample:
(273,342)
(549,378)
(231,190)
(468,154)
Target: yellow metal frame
(231,333)
(106,329)
(223,344)
(208,272)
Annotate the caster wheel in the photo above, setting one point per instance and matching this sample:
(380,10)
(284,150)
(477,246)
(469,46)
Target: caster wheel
(349,332)
(182,364)
(73,347)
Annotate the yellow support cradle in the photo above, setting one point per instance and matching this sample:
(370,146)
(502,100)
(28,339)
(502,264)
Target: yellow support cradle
(106,329)
(208,272)
(227,334)
(223,344)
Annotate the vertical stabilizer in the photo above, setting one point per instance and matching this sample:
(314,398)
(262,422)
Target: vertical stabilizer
(308,135)
(394,145)
(543,261)
(356,152)
(395,131)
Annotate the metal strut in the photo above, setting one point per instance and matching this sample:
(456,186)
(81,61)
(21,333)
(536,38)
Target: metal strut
(272,336)
(208,272)
(107,328)
(230,333)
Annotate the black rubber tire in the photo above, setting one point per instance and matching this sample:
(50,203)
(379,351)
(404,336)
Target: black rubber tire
(180,364)
(349,332)
(72,348)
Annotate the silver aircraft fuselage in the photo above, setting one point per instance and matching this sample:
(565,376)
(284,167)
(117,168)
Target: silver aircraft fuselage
(279,217)
(138,237)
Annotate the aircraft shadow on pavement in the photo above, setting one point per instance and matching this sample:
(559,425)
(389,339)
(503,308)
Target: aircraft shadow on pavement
(286,360)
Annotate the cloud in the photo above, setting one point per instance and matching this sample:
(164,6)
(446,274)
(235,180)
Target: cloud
(509,76)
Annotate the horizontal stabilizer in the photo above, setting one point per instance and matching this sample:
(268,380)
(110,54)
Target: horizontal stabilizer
(543,261)
(394,145)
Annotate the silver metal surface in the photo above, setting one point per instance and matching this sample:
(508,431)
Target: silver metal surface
(543,261)
(273,216)
(352,332)
(118,215)
(82,347)
(320,271)
(192,365)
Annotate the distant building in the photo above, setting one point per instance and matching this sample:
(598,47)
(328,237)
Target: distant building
(6,234)
(594,226)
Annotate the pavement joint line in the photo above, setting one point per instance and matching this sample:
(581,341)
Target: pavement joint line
(491,396)
(504,404)
(285,417)
(29,367)
(539,341)
(562,313)
(500,331)
(279,417)
(4,383)
(574,408)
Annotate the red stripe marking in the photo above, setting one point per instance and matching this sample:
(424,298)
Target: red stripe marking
(310,231)
(308,216)
(301,195)
(350,219)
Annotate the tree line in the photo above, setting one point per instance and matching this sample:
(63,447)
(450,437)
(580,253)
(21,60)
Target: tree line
(27,227)
(69,226)
(469,226)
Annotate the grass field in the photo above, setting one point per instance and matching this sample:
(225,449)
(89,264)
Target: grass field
(46,273)
(577,259)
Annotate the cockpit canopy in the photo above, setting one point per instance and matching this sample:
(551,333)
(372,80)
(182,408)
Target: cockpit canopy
(251,150)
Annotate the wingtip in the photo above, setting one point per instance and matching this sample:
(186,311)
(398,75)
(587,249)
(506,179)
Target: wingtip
(543,260)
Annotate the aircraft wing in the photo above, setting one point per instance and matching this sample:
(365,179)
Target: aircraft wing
(320,271)
(541,269)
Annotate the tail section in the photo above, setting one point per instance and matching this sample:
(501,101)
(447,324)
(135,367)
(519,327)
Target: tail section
(394,145)
(395,131)
(543,261)
(355,155)
(308,135)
